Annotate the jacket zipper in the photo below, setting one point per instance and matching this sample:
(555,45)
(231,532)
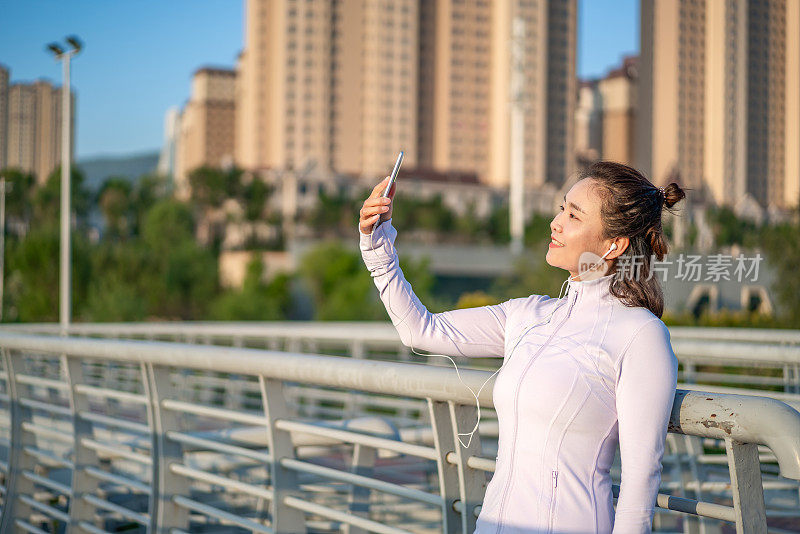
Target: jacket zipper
(552,501)
(516,418)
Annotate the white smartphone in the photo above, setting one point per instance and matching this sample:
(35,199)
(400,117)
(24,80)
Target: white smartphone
(392,180)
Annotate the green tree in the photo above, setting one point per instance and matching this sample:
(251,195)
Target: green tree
(537,231)
(212,186)
(470,225)
(47,198)
(337,214)
(256,300)
(19,191)
(532,275)
(782,248)
(412,214)
(497,225)
(342,289)
(32,280)
(117,289)
(115,202)
(167,224)
(729,229)
(183,276)
(255,196)
(147,191)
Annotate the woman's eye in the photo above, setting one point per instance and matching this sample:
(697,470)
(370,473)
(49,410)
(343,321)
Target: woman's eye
(572,215)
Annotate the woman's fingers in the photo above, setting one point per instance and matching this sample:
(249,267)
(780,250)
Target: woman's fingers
(369,211)
(366,223)
(377,191)
(377,201)
(376,206)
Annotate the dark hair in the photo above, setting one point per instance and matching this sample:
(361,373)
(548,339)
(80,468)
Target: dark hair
(631,206)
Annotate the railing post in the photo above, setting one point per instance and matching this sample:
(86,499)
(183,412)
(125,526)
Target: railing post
(797,378)
(285,520)
(363,463)
(82,483)
(352,402)
(18,461)
(165,515)
(445,442)
(748,492)
(404,355)
(471,481)
(791,378)
(689,372)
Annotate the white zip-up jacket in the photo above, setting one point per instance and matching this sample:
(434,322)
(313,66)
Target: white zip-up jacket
(595,375)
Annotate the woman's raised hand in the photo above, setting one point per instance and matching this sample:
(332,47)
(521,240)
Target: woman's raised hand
(376,207)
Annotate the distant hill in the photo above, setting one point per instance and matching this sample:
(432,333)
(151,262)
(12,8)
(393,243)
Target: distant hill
(96,170)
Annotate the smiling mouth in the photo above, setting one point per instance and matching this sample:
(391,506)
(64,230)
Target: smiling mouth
(556,242)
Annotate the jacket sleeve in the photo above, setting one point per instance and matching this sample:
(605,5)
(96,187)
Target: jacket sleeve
(646,381)
(474,332)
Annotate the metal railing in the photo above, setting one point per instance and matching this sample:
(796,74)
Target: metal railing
(766,360)
(90,452)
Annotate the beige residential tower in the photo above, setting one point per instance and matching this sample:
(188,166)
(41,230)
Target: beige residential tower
(207,135)
(722,80)
(32,132)
(342,86)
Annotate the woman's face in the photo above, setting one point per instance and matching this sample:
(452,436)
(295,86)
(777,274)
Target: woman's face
(576,229)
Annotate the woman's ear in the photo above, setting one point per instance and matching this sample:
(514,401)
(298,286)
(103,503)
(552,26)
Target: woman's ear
(621,245)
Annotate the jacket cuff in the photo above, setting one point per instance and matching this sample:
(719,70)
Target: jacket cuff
(377,248)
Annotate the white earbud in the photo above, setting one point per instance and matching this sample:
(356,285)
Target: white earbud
(612,248)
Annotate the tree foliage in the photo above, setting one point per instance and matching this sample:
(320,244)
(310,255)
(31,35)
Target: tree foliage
(211,186)
(342,289)
(257,300)
(148,263)
(782,247)
(116,204)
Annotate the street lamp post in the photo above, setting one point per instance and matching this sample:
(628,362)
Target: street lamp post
(3,188)
(65,302)
(516,201)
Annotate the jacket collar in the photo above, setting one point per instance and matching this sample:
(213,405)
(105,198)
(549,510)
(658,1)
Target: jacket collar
(591,290)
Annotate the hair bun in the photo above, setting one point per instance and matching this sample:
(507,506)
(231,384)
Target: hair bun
(673,194)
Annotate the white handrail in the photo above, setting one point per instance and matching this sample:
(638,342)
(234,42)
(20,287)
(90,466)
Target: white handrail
(742,422)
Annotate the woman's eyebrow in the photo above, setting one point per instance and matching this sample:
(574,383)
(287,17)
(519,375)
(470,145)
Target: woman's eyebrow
(573,205)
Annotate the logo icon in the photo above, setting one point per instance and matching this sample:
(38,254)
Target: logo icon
(591,266)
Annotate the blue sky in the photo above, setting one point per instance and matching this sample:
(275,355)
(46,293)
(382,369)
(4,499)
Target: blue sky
(139,56)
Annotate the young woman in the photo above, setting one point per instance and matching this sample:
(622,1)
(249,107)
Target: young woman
(581,374)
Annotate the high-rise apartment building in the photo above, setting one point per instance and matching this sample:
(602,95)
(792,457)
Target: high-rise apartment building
(4,77)
(589,122)
(207,134)
(20,147)
(328,84)
(618,94)
(344,85)
(455,86)
(721,86)
(605,118)
(374,75)
(169,150)
(33,131)
(465,85)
